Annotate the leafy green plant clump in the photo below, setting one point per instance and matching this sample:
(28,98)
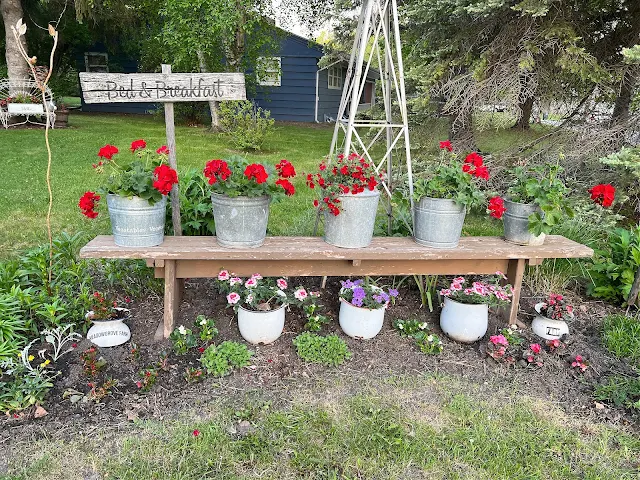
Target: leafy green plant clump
(614,266)
(196,214)
(220,360)
(329,350)
(621,391)
(247,125)
(621,336)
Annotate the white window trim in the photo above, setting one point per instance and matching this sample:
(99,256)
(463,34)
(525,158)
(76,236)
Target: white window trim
(335,73)
(87,65)
(271,80)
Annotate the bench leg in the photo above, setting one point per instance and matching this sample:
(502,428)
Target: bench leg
(515,274)
(172,296)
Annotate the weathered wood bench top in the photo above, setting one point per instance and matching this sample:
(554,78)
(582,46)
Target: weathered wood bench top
(304,248)
(201,257)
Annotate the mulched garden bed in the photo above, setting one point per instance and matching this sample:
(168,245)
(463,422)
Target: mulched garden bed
(277,364)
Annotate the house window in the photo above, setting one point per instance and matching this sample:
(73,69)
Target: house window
(96,62)
(269,71)
(335,77)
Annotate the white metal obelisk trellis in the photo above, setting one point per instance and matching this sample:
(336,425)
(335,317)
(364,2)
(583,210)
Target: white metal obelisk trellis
(379,32)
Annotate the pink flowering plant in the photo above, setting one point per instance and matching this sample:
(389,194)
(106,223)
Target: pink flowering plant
(533,355)
(498,349)
(489,291)
(579,363)
(556,308)
(366,295)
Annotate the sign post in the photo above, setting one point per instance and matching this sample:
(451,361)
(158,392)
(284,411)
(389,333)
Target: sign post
(167,88)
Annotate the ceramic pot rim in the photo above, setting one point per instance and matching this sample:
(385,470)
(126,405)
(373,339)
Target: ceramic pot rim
(467,304)
(263,311)
(126,311)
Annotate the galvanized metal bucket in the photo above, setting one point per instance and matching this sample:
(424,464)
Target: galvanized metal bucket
(438,222)
(241,222)
(353,227)
(516,223)
(136,223)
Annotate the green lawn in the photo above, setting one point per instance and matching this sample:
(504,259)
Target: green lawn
(23,196)
(343,426)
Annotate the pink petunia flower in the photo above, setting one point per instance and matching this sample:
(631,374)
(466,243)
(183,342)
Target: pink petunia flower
(223,275)
(282,283)
(300,294)
(233,298)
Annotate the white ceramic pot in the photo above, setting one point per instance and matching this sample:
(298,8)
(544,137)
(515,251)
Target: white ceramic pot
(261,327)
(548,328)
(464,322)
(361,323)
(109,333)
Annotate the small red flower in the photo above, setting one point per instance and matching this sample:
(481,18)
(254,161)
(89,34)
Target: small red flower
(139,384)
(446,145)
(88,203)
(466,168)
(107,152)
(201,349)
(74,345)
(196,433)
(257,172)
(535,348)
(481,172)
(285,169)
(138,145)
(496,207)
(316,203)
(603,194)
(163,150)
(216,170)
(474,159)
(165,178)
(288,187)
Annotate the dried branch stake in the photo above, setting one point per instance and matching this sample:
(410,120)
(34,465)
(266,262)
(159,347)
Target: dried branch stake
(19,30)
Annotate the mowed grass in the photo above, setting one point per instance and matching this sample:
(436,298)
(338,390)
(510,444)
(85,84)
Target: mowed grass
(24,198)
(384,428)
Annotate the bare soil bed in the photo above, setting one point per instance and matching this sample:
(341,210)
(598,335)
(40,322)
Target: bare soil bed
(276,368)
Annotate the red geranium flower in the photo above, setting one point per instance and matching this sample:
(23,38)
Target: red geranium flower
(481,172)
(285,169)
(289,189)
(496,207)
(196,433)
(257,172)
(107,152)
(87,204)
(163,150)
(474,158)
(446,145)
(216,170)
(603,194)
(138,144)
(166,177)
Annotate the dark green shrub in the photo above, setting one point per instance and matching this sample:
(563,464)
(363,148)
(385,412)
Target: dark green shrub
(246,124)
(196,212)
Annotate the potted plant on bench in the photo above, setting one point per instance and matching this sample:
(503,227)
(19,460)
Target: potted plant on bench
(136,193)
(465,315)
(349,200)
(535,202)
(241,193)
(443,195)
(24,104)
(362,308)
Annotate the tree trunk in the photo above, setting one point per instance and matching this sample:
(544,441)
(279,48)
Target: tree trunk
(213,105)
(16,65)
(623,100)
(525,114)
(461,132)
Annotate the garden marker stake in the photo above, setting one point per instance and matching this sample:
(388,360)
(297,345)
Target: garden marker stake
(19,30)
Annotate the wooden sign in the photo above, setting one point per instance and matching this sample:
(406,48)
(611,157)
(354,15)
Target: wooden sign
(161,87)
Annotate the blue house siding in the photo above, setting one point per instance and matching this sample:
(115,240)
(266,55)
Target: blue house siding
(294,100)
(328,98)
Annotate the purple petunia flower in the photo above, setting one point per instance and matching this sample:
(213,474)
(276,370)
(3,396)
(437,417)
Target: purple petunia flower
(347,284)
(356,301)
(379,298)
(393,292)
(359,292)
(358,282)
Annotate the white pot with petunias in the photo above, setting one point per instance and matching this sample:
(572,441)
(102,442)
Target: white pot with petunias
(362,308)
(260,303)
(465,314)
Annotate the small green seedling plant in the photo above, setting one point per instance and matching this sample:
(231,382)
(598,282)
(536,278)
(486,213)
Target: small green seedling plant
(220,360)
(98,392)
(182,340)
(148,379)
(207,328)
(330,350)
(429,344)
(91,363)
(193,375)
(409,328)
(315,321)
(512,336)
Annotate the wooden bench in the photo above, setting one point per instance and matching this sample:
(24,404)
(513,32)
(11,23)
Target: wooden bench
(201,257)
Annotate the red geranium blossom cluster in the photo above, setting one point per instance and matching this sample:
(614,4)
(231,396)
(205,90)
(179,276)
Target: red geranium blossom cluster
(138,145)
(446,145)
(108,151)
(351,175)
(474,165)
(496,207)
(88,203)
(216,170)
(603,194)
(254,179)
(165,178)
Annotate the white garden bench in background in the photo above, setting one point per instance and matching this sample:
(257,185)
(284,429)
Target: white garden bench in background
(12,88)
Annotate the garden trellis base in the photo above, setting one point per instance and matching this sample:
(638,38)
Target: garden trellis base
(201,257)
